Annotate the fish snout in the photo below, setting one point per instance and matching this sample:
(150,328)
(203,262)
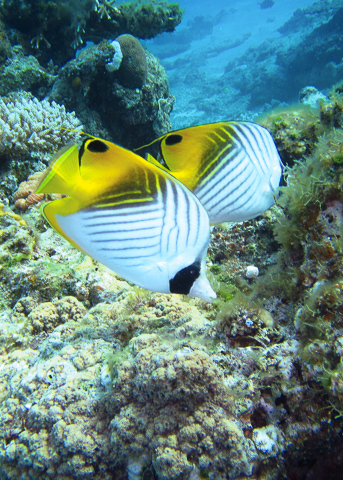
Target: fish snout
(201,288)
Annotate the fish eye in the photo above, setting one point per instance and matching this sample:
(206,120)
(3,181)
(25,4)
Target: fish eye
(173,139)
(184,279)
(97,146)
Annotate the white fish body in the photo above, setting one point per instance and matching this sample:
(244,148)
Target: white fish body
(247,176)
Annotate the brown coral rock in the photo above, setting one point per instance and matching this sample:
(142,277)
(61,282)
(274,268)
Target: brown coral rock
(133,69)
(25,196)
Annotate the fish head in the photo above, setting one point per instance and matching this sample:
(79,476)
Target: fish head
(188,277)
(201,288)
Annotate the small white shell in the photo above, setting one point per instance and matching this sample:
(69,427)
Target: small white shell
(252,272)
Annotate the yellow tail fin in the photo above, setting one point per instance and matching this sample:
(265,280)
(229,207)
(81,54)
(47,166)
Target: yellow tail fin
(63,173)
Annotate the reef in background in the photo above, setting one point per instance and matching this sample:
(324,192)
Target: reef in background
(53,30)
(278,69)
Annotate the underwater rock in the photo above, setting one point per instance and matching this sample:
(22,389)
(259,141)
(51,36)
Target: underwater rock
(24,73)
(129,116)
(295,130)
(16,246)
(278,69)
(54,30)
(16,241)
(252,271)
(132,72)
(311,96)
(6,51)
(311,17)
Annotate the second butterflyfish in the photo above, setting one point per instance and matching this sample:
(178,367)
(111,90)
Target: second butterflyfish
(130,215)
(233,168)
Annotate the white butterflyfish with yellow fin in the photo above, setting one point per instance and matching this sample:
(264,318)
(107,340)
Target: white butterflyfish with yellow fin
(233,168)
(130,215)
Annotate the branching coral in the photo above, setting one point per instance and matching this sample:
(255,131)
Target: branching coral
(31,127)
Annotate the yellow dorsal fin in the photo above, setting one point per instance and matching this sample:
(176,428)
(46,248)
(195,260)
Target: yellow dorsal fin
(63,173)
(187,152)
(98,156)
(151,159)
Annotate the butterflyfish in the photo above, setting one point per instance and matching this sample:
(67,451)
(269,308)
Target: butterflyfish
(233,168)
(130,215)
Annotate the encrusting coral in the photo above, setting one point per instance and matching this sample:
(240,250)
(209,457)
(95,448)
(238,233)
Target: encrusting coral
(32,127)
(16,242)
(25,196)
(132,72)
(175,411)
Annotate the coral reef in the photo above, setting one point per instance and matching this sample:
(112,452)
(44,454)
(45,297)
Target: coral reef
(170,399)
(31,127)
(5,45)
(132,72)
(24,73)
(278,69)
(103,380)
(25,196)
(130,116)
(55,29)
(295,130)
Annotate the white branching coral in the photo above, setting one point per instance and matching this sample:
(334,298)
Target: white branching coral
(32,127)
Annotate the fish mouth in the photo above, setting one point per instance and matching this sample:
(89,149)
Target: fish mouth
(201,288)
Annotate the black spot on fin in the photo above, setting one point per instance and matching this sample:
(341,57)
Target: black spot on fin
(97,146)
(184,279)
(173,139)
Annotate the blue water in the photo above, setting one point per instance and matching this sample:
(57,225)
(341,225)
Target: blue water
(203,45)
